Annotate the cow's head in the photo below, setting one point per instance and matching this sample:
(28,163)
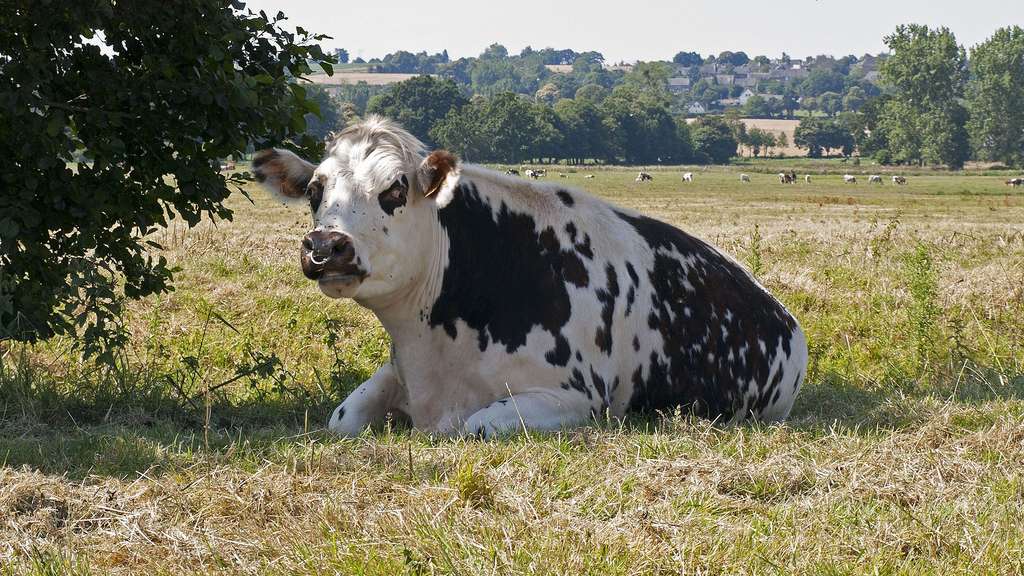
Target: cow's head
(374,200)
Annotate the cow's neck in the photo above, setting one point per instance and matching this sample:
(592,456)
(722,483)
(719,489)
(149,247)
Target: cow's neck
(405,311)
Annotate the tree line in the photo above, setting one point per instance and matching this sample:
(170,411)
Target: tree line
(933,105)
(632,124)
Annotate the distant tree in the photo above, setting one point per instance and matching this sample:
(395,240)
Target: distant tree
(418,103)
(830,103)
(547,137)
(327,117)
(464,131)
(497,52)
(762,62)
(641,127)
(733,58)
(996,97)
(809,104)
(925,120)
(713,140)
(822,80)
(755,139)
(548,94)
(651,78)
(854,99)
(868,130)
(583,130)
(821,136)
(594,93)
(114,118)
(341,55)
(359,95)
(789,102)
(757,107)
(687,59)
(588,62)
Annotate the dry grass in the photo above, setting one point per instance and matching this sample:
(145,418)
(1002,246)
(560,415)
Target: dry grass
(902,456)
(787,127)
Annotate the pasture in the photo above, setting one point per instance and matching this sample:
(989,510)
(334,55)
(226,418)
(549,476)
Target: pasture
(201,449)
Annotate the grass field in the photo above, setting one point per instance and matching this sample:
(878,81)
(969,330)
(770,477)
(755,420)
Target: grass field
(202,450)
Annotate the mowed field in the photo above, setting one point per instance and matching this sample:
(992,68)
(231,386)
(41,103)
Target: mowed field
(203,451)
(777,127)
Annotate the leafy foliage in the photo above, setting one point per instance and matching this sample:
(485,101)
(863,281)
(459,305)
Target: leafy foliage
(821,136)
(996,97)
(925,121)
(713,140)
(113,119)
(418,103)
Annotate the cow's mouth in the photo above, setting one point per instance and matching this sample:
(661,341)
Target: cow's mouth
(342,277)
(341,284)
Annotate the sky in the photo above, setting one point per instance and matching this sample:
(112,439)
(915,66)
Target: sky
(638,29)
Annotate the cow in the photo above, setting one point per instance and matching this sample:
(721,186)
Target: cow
(514,305)
(512,172)
(643,177)
(589,176)
(899,180)
(1015,182)
(874,179)
(561,175)
(534,174)
(688,177)
(744,178)
(785,178)
(807,178)
(848,179)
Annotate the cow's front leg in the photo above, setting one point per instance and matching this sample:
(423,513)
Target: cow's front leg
(536,410)
(369,404)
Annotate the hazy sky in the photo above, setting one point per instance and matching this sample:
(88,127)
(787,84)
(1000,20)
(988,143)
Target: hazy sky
(638,29)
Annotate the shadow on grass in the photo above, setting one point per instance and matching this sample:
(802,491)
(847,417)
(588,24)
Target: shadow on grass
(109,434)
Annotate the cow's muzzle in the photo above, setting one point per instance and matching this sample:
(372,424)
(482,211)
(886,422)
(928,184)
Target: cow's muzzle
(329,255)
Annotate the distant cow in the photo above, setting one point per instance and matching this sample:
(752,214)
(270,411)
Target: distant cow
(643,177)
(899,180)
(849,179)
(688,177)
(1014,182)
(523,306)
(534,174)
(589,176)
(874,179)
(744,178)
(785,178)
(807,178)
(560,175)
(512,172)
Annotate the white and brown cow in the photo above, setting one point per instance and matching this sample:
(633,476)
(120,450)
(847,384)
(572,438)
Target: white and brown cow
(513,304)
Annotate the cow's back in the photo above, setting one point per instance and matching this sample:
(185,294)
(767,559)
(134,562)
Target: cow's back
(711,339)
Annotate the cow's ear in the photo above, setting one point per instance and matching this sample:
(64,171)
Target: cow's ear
(282,172)
(438,175)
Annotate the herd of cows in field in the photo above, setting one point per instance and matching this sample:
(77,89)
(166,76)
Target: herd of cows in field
(784,177)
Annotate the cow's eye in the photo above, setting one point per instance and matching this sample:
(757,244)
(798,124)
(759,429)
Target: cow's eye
(315,191)
(394,197)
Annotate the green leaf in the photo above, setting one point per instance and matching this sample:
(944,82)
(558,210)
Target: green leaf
(56,123)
